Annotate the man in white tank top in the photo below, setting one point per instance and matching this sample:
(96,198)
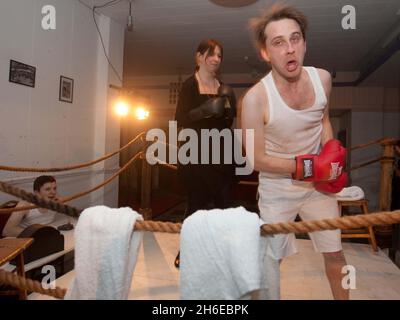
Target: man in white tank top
(288,111)
(43,186)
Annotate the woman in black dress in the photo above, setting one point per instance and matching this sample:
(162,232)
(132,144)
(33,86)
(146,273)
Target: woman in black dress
(209,185)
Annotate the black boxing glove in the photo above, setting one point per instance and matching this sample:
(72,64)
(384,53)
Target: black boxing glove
(213,107)
(227,93)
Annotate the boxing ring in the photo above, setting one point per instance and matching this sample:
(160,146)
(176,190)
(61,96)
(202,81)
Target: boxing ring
(162,242)
(302,275)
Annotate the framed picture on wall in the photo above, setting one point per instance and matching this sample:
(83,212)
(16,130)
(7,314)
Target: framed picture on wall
(22,73)
(66,89)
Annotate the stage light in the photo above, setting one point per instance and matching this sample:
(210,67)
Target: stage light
(141,113)
(121,108)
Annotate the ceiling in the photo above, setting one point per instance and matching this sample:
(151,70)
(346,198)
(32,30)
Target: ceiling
(166,34)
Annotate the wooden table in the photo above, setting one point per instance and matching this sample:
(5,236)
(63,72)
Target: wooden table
(13,248)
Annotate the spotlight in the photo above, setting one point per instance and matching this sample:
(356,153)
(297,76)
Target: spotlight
(121,108)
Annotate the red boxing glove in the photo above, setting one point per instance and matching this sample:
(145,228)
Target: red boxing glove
(333,186)
(327,166)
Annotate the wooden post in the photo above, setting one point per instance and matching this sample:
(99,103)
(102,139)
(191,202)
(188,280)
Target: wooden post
(21,273)
(387,169)
(385,191)
(145,200)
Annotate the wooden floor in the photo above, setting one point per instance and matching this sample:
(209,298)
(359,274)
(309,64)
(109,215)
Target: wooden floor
(303,275)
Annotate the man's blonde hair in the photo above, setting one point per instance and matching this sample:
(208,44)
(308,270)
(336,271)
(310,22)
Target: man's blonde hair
(277,11)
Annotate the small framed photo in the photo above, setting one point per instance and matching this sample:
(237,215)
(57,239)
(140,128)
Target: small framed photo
(22,73)
(66,89)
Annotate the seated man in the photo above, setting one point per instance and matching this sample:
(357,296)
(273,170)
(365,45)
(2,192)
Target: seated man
(43,186)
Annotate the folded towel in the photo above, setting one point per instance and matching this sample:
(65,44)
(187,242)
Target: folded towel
(106,250)
(350,194)
(270,281)
(221,253)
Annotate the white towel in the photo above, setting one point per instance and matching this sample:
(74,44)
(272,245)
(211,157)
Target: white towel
(106,250)
(221,252)
(350,194)
(270,282)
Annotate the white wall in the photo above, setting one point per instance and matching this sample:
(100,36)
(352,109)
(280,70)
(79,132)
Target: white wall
(107,124)
(38,130)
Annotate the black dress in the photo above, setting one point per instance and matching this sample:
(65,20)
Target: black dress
(207,185)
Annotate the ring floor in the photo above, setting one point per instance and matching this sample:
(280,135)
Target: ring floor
(302,275)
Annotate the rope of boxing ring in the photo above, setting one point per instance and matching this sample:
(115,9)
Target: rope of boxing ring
(344,223)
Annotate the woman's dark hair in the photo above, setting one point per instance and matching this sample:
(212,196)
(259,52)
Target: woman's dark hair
(208,45)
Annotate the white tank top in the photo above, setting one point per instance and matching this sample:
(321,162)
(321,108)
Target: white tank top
(291,132)
(34,216)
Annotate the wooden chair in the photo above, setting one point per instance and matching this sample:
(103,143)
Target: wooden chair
(367,233)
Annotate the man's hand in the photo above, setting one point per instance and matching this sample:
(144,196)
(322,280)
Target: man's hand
(327,166)
(332,186)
